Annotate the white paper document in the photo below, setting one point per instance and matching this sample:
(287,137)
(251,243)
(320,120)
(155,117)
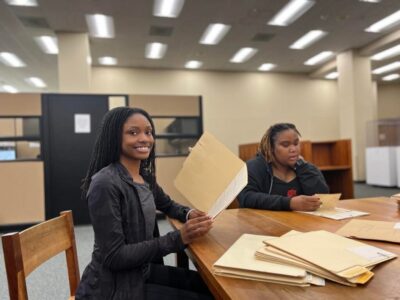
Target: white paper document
(337,213)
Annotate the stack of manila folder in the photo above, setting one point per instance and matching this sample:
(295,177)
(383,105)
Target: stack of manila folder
(301,259)
(239,261)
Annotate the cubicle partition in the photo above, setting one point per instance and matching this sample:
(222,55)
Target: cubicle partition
(46,142)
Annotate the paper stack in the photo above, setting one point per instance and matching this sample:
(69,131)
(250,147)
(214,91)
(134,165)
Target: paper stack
(329,210)
(325,254)
(239,261)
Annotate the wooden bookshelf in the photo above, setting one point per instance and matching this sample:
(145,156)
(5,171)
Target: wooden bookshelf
(333,158)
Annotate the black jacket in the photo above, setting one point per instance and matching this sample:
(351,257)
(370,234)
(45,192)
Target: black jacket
(260,180)
(120,250)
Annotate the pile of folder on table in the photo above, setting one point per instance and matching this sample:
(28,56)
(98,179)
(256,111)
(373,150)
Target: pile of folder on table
(301,259)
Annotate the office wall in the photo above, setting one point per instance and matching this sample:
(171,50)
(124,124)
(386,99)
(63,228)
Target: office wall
(237,107)
(389,101)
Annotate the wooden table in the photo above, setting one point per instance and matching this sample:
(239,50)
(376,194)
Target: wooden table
(232,223)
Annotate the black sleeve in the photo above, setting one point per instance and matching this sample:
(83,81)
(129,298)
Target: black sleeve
(105,212)
(254,195)
(168,206)
(311,179)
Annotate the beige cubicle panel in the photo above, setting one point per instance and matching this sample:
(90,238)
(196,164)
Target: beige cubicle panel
(20,104)
(167,170)
(22,192)
(159,105)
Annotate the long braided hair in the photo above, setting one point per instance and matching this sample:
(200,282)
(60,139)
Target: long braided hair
(107,148)
(267,144)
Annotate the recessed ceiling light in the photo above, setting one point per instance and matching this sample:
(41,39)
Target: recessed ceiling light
(243,55)
(10,89)
(332,75)
(36,82)
(319,58)
(371,1)
(100,26)
(22,2)
(385,23)
(167,8)
(308,39)
(155,50)
(266,67)
(214,33)
(11,60)
(47,43)
(387,68)
(387,53)
(193,64)
(293,10)
(107,60)
(391,77)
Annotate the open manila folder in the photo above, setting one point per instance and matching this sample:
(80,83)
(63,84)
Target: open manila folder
(211,176)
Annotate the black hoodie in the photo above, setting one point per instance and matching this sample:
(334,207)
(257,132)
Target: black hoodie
(260,184)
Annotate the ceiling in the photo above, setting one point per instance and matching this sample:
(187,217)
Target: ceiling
(135,26)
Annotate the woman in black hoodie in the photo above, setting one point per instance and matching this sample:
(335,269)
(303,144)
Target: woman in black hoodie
(279,179)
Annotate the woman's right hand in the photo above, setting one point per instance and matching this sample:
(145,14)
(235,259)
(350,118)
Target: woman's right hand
(195,228)
(305,203)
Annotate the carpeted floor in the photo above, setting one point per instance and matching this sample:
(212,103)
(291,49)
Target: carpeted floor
(49,282)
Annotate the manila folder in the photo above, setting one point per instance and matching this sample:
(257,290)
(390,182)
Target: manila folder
(211,176)
(372,230)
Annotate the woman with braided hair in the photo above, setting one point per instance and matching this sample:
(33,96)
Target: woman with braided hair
(122,195)
(278,177)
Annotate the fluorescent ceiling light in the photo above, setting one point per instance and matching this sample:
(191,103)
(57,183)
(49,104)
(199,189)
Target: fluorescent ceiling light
(10,89)
(36,82)
(332,75)
(214,33)
(266,67)
(193,64)
(291,12)
(387,68)
(155,50)
(22,2)
(11,60)
(387,53)
(47,43)
(100,26)
(167,8)
(372,1)
(391,77)
(243,55)
(321,57)
(385,23)
(107,60)
(308,39)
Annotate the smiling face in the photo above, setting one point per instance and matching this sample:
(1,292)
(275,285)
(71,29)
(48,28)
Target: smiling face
(286,149)
(137,138)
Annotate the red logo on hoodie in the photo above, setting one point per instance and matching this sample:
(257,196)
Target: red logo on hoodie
(291,193)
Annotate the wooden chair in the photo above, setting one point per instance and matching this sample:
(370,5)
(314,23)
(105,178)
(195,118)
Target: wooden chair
(26,250)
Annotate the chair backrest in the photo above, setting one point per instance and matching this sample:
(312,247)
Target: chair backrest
(26,250)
